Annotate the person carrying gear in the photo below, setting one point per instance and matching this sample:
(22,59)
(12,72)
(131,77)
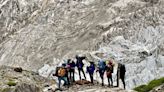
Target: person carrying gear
(72,71)
(80,64)
(61,73)
(101,69)
(121,74)
(90,70)
(109,71)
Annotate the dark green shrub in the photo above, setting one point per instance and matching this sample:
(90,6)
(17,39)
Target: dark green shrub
(150,86)
(12,83)
(140,88)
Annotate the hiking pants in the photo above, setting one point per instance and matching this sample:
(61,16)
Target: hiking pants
(81,70)
(123,80)
(60,79)
(72,75)
(68,81)
(110,79)
(91,77)
(101,72)
(122,77)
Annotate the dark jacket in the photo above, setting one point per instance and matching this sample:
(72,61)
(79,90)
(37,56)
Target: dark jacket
(79,62)
(122,70)
(91,68)
(72,64)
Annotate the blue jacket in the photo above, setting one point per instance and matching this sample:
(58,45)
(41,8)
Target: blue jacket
(91,69)
(101,65)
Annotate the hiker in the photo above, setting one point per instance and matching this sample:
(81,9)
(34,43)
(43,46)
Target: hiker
(61,73)
(68,70)
(109,71)
(72,71)
(80,64)
(101,69)
(121,74)
(90,70)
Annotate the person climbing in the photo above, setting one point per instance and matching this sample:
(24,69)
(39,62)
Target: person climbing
(68,67)
(72,71)
(121,74)
(80,64)
(61,73)
(101,69)
(90,70)
(109,71)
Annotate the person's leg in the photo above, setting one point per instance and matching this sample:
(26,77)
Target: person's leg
(117,80)
(59,80)
(70,76)
(123,80)
(67,78)
(102,80)
(111,80)
(73,75)
(79,74)
(92,78)
(102,76)
(83,73)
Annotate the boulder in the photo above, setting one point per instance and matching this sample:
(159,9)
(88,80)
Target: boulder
(18,69)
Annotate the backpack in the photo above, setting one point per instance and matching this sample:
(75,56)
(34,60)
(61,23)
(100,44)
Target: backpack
(72,64)
(110,68)
(102,65)
(91,68)
(80,64)
(61,72)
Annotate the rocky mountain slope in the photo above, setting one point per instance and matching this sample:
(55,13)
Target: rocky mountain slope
(38,32)
(14,80)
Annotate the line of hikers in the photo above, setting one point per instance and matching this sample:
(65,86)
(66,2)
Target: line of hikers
(66,72)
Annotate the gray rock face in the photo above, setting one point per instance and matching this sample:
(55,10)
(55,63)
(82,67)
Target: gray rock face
(35,32)
(27,88)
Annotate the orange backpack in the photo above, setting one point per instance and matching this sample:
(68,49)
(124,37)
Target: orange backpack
(62,72)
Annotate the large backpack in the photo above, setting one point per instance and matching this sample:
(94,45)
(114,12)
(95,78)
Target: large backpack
(61,72)
(102,65)
(91,68)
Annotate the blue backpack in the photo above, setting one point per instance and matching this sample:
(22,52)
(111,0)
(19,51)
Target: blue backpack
(102,65)
(91,68)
